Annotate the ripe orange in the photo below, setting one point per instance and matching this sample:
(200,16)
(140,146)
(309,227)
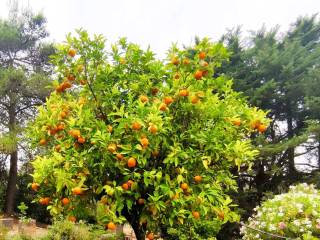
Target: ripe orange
(144,98)
(130,182)
(59,88)
(140,201)
(220,215)
(77,191)
(168,100)
(198,74)
(175,61)
(163,107)
(262,128)
(53,131)
(63,114)
(255,124)
(194,100)
(154,91)
(65,201)
(204,64)
(111,226)
(81,140)
(150,236)
(236,122)
(71,77)
(83,82)
(125,186)
(35,186)
(75,133)
(43,142)
(112,147)
(44,201)
(132,162)
(196,214)
(136,126)
(119,156)
(72,52)
(66,85)
(184,93)
(60,127)
(186,61)
(205,73)
(184,186)
(144,142)
(57,148)
(153,129)
(202,55)
(197,179)
(72,219)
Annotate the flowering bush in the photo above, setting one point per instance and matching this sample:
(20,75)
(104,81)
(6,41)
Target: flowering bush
(295,215)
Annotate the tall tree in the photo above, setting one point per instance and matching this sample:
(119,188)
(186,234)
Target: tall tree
(279,74)
(23,76)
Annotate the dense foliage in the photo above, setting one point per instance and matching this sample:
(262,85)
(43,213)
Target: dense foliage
(126,137)
(278,72)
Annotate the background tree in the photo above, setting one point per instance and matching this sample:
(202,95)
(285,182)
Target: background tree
(126,137)
(279,74)
(23,76)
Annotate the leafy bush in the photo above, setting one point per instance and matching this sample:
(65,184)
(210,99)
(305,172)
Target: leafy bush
(295,214)
(66,230)
(22,237)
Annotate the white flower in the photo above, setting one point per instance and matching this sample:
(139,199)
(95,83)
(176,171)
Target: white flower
(272,227)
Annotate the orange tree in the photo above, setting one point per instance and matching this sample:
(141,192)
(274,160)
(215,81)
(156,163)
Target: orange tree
(126,137)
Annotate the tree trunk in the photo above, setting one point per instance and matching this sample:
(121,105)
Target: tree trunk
(11,186)
(13,172)
(133,218)
(138,230)
(291,165)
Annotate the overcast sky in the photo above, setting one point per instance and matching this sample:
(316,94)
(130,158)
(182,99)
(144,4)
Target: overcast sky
(158,23)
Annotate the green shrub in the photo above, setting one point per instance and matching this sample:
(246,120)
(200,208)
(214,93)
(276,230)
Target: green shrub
(21,237)
(295,215)
(66,230)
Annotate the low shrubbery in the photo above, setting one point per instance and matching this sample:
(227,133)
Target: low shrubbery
(295,215)
(66,230)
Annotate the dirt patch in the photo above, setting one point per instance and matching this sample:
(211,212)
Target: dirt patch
(31,230)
